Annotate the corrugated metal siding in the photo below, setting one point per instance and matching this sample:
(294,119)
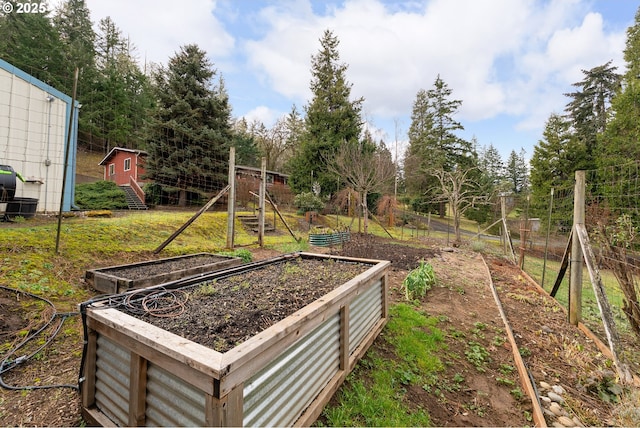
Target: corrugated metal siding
(112,381)
(279,393)
(364,312)
(171,401)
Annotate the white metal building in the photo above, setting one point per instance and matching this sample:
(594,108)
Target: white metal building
(34,123)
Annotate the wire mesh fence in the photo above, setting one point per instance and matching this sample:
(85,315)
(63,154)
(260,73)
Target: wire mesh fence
(612,221)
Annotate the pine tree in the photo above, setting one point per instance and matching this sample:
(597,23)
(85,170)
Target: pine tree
(331,118)
(192,131)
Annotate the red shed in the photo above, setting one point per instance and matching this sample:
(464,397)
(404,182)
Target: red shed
(123,165)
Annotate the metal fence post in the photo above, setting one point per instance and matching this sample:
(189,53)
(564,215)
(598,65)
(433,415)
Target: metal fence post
(575,285)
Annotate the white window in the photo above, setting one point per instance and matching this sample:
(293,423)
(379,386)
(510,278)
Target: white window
(112,169)
(127,164)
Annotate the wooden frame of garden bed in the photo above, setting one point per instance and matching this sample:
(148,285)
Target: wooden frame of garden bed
(107,279)
(137,374)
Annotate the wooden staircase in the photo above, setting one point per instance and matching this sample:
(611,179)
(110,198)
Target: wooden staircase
(250,223)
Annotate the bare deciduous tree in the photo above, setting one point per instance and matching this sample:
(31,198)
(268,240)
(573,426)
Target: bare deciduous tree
(461,191)
(365,170)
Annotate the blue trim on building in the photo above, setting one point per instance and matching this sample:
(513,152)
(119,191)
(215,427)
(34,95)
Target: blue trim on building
(69,190)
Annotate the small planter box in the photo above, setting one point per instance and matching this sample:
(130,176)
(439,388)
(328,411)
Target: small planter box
(328,239)
(118,279)
(137,374)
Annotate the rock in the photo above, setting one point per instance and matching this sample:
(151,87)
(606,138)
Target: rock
(546,329)
(555,397)
(565,421)
(556,409)
(557,424)
(577,422)
(544,385)
(549,413)
(546,399)
(558,389)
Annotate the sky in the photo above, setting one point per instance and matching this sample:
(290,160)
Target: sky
(508,61)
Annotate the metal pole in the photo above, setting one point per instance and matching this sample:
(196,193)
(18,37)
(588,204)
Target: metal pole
(503,213)
(66,157)
(546,244)
(575,285)
(231,204)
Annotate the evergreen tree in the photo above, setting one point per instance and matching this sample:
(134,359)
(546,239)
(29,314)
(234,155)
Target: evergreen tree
(491,164)
(331,118)
(192,131)
(73,23)
(30,42)
(620,141)
(516,172)
(588,108)
(244,140)
(553,164)
(121,97)
(433,144)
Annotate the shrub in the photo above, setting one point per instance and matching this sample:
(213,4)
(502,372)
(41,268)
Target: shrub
(101,195)
(307,201)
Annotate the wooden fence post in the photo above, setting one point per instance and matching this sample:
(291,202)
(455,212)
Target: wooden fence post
(575,284)
(261,208)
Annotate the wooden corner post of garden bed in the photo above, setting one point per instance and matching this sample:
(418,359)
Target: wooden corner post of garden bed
(225,411)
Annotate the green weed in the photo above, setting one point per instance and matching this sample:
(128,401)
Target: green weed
(477,355)
(419,281)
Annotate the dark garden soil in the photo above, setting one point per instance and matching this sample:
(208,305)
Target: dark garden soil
(223,313)
(163,266)
(486,393)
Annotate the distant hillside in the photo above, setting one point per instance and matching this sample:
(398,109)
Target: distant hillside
(87,168)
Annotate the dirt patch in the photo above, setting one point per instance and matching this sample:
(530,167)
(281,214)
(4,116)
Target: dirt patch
(223,313)
(554,351)
(557,353)
(401,256)
(463,394)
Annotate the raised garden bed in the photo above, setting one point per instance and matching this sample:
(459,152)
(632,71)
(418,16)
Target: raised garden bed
(281,370)
(118,279)
(328,239)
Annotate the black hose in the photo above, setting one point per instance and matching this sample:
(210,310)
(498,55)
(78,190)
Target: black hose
(7,365)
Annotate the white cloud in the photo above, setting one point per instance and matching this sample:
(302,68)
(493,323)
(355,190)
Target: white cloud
(504,58)
(159,27)
(262,114)
(393,53)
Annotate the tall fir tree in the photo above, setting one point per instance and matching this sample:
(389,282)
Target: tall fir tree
(331,118)
(620,143)
(588,108)
(30,42)
(516,172)
(192,131)
(490,163)
(72,21)
(433,144)
(553,164)
(121,97)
